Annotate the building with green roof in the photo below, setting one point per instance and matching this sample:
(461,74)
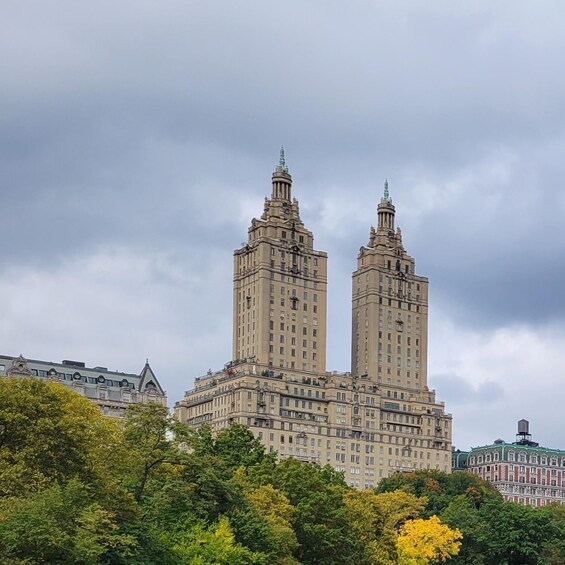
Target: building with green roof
(523,471)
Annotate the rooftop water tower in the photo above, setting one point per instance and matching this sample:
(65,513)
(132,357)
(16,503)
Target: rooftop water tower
(523,437)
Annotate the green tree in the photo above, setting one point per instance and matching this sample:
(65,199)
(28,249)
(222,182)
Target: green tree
(201,440)
(499,532)
(512,533)
(235,446)
(439,488)
(553,550)
(462,513)
(61,524)
(214,546)
(320,519)
(276,509)
(48,434)
(151,440)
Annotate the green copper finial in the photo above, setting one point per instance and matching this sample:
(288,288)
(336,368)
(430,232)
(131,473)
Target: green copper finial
(282,162)
(386,196)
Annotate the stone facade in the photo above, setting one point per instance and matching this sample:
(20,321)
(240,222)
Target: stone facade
(112,391)
(375,420)
(279,291)
(390,309)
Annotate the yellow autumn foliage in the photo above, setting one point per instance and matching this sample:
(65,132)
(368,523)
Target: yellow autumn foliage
(424,541)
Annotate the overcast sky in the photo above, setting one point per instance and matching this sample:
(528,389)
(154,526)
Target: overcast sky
(137,141)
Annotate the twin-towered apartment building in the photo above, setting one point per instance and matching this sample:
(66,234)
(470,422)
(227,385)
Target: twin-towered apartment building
(370,422)
(380,417)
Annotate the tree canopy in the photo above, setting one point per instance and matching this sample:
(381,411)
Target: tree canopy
(79,488)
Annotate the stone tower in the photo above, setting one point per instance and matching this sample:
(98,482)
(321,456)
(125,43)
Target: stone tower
(279,291)
(390,309)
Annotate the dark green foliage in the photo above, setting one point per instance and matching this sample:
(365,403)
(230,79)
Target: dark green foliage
(553,550)
(235,446)
(500,532)
(317,494)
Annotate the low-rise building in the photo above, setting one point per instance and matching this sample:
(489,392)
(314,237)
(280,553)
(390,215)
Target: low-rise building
(111,390)
(522,471)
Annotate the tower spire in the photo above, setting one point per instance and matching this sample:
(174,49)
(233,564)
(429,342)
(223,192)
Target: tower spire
(282,180)
(386,199)
(281,167)
(385,211)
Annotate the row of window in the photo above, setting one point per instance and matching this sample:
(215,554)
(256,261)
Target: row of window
(533,459)
(293,341)
(388,279)
(100,379)
(292,354)
(292,292)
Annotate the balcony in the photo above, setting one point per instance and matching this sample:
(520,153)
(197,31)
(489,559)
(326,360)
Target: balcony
(302,458)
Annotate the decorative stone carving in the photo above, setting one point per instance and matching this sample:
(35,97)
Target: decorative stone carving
(19,368)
